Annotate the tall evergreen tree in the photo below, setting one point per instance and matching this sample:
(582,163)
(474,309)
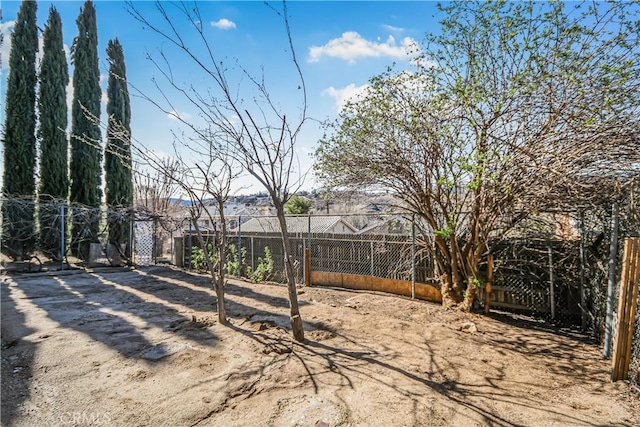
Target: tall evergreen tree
(19,136)
(86,151)
(118,174)
(52,134)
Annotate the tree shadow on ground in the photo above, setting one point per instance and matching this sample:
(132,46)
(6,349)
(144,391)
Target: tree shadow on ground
(105,311)
(198,294)
(204,281)
(17,356)
(115,305)
(567,354)
(383,364)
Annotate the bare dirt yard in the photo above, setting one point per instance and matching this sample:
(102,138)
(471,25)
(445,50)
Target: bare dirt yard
(141,347)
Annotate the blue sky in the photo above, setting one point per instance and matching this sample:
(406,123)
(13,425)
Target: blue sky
(340,45)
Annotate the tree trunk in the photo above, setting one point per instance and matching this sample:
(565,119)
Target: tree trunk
(296,320)
(448,294)
(218,281)
(469,296)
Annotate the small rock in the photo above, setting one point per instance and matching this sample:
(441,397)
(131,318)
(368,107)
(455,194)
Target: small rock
(263,326)
(469,327)
(320,423)
(350,304)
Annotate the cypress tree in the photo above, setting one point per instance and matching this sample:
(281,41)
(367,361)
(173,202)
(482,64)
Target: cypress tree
(52,134)
(86,151)
(118,174)
(19,136)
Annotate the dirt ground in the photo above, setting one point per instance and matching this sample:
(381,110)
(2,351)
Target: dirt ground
(141,347)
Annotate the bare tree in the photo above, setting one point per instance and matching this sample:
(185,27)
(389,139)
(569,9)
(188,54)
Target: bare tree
(154,188)
(212,176)
(254,131)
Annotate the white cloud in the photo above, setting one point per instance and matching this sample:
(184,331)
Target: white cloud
(392,29)
(178,115)
(224,24)
(5,30)
(350,92)
(351,46)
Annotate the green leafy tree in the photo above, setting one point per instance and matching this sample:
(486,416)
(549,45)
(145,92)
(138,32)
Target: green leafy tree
(118,167)
(86,151)
(19,137)
(52,106)
(512,108)
(298,205)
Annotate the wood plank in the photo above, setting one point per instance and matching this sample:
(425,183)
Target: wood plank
(634,278)
(627,303)
(620,337)
(424,291)
(489,285)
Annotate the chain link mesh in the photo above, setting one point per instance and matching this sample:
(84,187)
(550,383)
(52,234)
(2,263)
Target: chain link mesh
(555,267)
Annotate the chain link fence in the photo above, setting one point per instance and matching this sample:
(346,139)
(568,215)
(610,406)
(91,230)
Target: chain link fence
(55,235)
(555,267)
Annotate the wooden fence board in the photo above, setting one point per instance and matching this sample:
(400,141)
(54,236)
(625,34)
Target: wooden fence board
(424,291)
(627,303)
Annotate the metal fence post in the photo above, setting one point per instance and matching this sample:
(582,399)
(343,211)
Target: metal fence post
(613,255)
(583,291)
(154,240)
(413,257)
(306,253)
(372,259)
(239,246)
(190,243)
(552,298)
(132,243)
(62,232)
(253,262)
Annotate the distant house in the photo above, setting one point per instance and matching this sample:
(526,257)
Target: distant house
(233,212)
(299,225)
(393,225)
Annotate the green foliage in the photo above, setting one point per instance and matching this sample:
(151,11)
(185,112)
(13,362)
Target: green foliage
(503,91)
(54,144)
(478,283)
(198,261)
(86,154)
(264,269)
(298,205)
(235,268)
(118,175)
(118,165)
(19,138)
(446,232)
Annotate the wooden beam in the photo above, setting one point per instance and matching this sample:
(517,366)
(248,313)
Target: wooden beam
(488,287)
(307,267)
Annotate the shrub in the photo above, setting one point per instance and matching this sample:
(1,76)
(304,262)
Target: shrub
(264,269)
(198,261)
